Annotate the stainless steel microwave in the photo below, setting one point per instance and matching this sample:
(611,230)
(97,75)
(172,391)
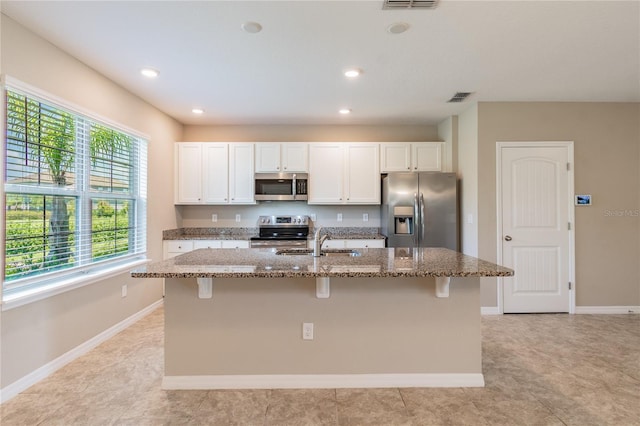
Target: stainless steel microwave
(281,186)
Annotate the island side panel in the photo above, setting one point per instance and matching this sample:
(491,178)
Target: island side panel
(253,326)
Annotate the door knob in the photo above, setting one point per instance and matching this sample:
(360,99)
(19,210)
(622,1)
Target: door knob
(507,238)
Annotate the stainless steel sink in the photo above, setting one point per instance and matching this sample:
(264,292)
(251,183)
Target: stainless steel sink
(326,252)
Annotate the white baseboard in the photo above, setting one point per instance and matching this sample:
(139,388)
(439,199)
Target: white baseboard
(322,381)
(490,310)
(35,376)
(614,310)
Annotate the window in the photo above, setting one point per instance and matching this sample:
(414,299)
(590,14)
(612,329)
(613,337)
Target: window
(75,192)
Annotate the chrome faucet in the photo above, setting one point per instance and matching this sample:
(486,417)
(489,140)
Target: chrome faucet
(317,242)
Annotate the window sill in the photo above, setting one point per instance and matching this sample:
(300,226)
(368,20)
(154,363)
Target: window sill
(71,282)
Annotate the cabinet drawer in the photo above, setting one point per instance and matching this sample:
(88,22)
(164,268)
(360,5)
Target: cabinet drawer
(212,244)
(235,244)
(179,246)
(374,243)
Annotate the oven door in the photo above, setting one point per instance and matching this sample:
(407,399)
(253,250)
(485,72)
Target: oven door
(277,244)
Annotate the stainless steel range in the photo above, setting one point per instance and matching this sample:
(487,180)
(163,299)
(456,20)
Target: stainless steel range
(281,232)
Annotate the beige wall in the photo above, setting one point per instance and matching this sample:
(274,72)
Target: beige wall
(38,333)
(310,133)
(606,145)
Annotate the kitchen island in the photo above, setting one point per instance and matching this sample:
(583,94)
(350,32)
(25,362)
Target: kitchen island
(380,318)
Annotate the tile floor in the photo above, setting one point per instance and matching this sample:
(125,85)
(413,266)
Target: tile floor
(539,370)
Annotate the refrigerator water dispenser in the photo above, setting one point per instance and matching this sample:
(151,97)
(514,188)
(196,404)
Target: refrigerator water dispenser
(403,219)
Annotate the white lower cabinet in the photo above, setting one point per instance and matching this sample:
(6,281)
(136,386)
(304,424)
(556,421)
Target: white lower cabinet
(207,244)
(173,248)
(235,244)
(352,243)
(374,243)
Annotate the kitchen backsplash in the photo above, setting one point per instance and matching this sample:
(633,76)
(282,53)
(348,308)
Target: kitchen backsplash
(201,216)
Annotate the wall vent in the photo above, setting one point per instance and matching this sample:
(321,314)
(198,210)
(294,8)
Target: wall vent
(459,97)
(410,4)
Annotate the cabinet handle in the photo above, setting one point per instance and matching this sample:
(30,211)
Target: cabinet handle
(277,167)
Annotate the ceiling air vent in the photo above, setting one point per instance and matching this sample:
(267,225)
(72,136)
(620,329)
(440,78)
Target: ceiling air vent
(409,4)
(459,97)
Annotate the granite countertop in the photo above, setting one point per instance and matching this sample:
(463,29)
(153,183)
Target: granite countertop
(343,233)
(371,262)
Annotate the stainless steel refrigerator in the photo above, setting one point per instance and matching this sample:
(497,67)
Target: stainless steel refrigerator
(420,210)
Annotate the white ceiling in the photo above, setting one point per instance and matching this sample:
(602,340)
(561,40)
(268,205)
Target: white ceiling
(292,71)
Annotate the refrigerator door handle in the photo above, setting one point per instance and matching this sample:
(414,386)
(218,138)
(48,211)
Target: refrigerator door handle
(416,218)
(422,220)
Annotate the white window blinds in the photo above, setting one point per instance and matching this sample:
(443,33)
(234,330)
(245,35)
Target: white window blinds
(75,191)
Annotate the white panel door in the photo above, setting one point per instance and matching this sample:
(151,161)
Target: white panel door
(295,157)
(535,197)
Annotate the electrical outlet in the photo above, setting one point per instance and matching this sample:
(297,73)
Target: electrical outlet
(365,217)
(238,218)
(307,331)
(124,290)
(313,217)
(339,218)
(214,217)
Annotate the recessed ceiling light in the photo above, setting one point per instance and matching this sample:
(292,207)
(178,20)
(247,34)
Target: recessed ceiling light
(149,72)
(352,73)
(345,111)
(398,27)
(197,111)
(251,27)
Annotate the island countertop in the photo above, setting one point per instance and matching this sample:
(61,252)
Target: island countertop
(369,262)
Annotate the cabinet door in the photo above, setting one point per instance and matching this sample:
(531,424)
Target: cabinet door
(188,173)
(326,169)
(427,156)
(395,157)
(267,157)
(362,173)
(241,181)
(215,173)
(295,157)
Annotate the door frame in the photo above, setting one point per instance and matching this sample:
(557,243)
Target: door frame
(570,204)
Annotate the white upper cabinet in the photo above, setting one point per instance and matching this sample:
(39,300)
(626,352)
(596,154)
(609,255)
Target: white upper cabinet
(214,173)
(410,157)
(188,170)
(241,182)
(362,173)
(344,173)
(326,173)
(281,157)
